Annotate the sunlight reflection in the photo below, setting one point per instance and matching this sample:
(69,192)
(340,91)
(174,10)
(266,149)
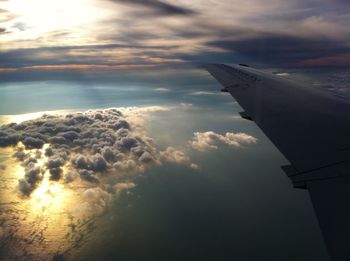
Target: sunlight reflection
(5,119)
(40,223)
(49,197)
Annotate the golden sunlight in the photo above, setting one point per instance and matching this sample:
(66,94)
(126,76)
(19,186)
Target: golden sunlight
(46,15)
(47,20)
(49,197)
(18,118)
(41,221)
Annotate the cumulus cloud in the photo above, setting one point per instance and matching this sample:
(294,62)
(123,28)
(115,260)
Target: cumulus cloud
(171,154)
(88,175)
(55,173)
(205,141)
(90,146)
(31,178)
(9,138)
(123,186)
(55,162)
(33,143)
(20,155)
(70,176)
(95,200)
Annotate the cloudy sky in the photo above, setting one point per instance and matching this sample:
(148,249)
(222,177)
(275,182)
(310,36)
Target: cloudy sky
(109,36)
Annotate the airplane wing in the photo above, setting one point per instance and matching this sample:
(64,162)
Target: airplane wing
(311,128)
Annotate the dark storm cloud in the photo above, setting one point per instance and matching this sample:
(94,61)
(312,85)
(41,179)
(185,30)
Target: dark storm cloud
(282,50)
(159,7)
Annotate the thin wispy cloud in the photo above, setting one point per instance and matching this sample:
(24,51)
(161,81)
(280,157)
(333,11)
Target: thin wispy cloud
(205,93)
(162,89)
(158,7)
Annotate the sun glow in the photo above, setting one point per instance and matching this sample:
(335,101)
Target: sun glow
(50,15)
(64,21)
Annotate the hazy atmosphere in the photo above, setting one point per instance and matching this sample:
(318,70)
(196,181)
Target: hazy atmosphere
(115,143)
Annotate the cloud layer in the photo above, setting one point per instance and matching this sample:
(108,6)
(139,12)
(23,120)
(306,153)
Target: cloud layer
(135,34)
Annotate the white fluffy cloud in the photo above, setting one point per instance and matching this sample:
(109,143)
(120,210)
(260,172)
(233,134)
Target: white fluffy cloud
(93,200)
(205,141)
(177,156)
(123,186)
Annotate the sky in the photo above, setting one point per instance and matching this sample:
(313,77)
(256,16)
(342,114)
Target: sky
(56,39)
(114,138)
